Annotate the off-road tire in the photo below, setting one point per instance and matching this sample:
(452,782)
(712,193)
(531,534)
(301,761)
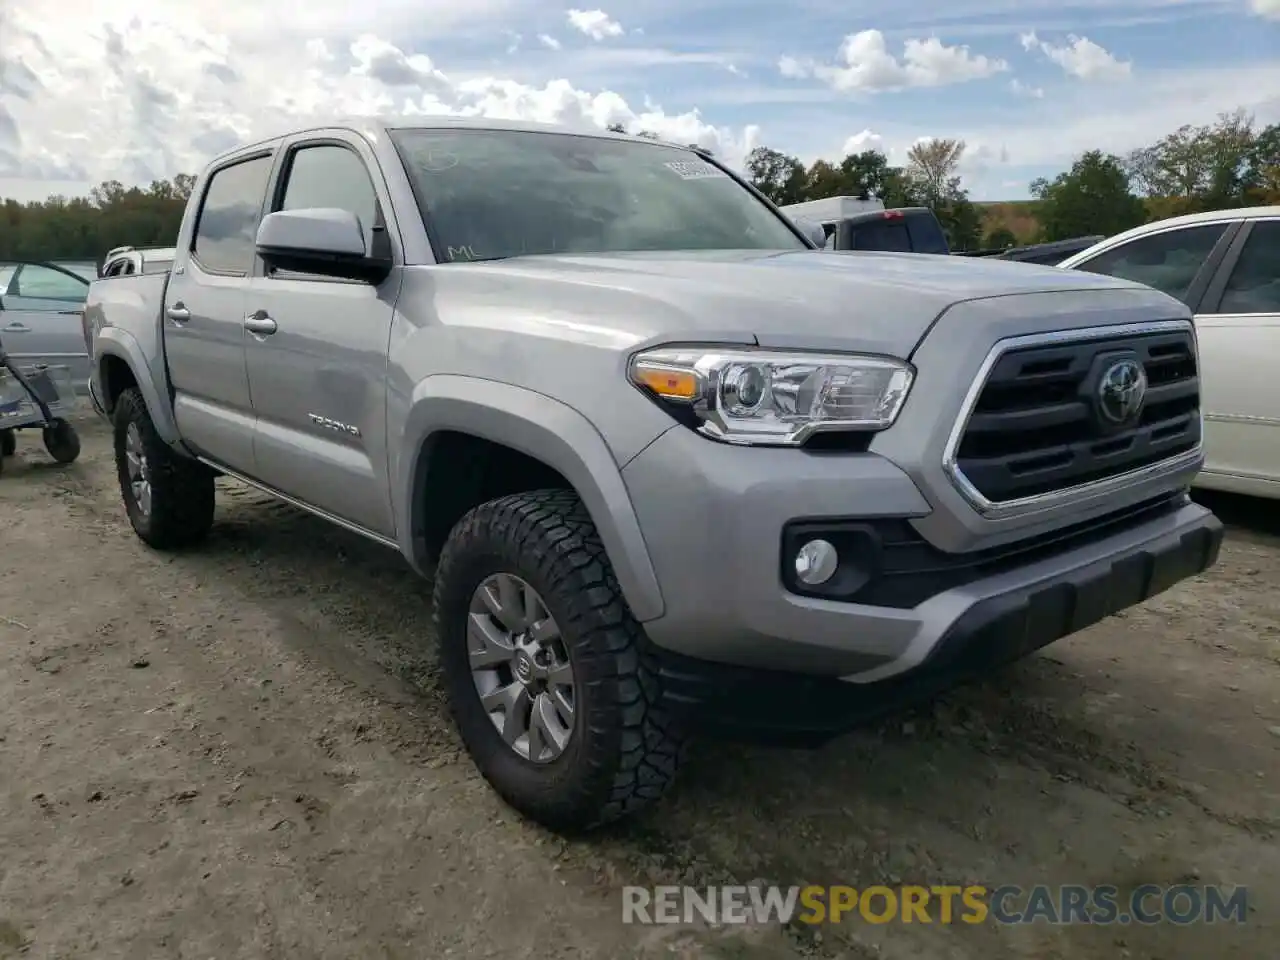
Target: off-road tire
(182,494)
(8,443)
(625,748)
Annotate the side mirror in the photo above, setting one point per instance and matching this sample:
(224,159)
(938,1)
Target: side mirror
(321,240)
(812,230)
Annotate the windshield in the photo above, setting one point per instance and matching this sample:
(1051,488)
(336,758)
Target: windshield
(491,194)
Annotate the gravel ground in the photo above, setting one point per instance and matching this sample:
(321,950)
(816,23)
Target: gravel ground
(242,752)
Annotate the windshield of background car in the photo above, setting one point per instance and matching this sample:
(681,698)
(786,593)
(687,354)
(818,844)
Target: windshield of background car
(492,194)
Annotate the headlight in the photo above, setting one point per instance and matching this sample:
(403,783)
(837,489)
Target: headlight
(775,398)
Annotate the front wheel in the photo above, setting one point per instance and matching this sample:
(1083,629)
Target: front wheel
(168,497)
(547,676)
(8,443)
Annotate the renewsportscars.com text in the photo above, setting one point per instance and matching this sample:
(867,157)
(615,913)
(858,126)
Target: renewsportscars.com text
(972,904)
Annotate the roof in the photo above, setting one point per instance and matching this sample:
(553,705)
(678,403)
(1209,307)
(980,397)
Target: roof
(373,127)
(1209,216)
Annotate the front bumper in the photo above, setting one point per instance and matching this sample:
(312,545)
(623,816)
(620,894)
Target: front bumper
(788,707)
(716,547)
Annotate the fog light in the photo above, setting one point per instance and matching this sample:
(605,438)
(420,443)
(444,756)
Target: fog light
(816,562)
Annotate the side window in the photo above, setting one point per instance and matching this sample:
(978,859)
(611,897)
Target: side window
(1167,261)
(43,288)
(1254,286)
(228,225)
(331,176)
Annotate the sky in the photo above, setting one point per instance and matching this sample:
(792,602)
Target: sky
(134,91)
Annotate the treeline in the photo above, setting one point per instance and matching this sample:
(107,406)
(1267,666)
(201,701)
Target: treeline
(1229,163)
(85,228)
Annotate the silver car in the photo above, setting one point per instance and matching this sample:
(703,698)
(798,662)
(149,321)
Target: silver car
(41,305)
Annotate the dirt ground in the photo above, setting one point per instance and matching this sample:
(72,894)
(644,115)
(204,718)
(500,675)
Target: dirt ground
(242,752)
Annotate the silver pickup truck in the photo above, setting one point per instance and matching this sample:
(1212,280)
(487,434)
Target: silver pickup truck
(672,469)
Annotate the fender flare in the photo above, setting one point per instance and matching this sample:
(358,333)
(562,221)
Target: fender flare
(114,342)
(546,430)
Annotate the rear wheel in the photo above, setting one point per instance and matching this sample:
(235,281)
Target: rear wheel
(169,498)
(547,675)
(8,443)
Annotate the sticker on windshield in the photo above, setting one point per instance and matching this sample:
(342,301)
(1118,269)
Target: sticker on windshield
(694,169)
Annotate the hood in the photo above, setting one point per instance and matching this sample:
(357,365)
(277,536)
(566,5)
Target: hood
(874,302)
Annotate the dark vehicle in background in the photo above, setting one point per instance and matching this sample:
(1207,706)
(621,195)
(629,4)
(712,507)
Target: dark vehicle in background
(1049,254)
(851,223)
(901,230)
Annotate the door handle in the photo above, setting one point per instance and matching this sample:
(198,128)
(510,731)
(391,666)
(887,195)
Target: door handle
(178,313)
(260,325)
(16,327)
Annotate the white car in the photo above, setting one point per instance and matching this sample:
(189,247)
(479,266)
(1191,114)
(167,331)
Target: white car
(1225,265)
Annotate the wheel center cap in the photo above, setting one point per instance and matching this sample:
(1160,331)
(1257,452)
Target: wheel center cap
(524,668)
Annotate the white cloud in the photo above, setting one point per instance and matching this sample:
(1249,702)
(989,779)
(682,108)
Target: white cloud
(1018,87)
(1081,57)
(865,64)
(157,91)
(1270,9)
(549,41)
(862,142)
(596,24)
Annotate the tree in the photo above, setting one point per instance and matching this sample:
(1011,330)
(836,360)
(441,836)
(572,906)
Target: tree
(781,178)
(932,165)
(1197,168)
(961,221)
(1001,238)
(1261,178)
(1092,197)
(85,228)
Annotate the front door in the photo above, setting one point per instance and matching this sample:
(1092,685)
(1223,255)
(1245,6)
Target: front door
(40,311)
(204,311)
(317,353)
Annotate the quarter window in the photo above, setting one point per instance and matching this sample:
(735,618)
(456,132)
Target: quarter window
(1167,261)
(228,225)
(1254,286)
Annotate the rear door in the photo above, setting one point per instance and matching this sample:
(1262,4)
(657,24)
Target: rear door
(1238,326)
(204,312)
(40,308)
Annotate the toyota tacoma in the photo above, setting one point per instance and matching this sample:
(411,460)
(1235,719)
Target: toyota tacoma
(670,469)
